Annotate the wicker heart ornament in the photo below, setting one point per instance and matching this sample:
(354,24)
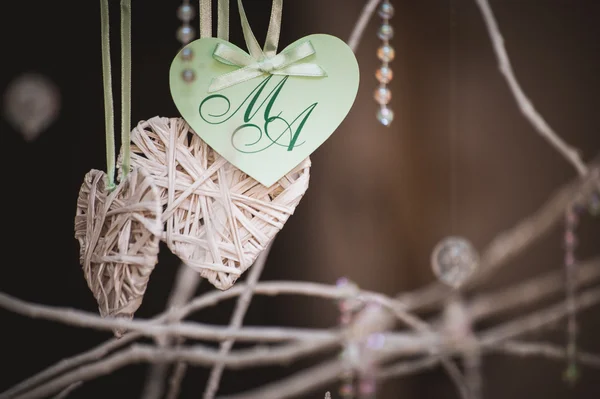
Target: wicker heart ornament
(265,115)
(118,233)
(217,219)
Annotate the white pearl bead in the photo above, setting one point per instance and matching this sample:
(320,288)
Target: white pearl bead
(383,95)
(188,75)
(384,74)
(386,10)
(187,54)
(386,32)
(385,116)
(185,12)
(386,53)
(185,34)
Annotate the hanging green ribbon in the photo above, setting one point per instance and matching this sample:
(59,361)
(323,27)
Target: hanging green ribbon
(205,9)
(109,113)
(223,20)
(259,62)
(125,84)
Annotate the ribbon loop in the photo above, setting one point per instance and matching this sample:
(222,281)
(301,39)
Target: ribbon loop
(274,30)
(285,63)
(259,62)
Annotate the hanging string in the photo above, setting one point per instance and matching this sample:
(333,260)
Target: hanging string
(109,113)
(125,83)
(223,20)
(205,9)
(270,48)
(273,32)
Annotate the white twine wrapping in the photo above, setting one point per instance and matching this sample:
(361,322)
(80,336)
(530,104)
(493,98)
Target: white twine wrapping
(217,219)
(118,234)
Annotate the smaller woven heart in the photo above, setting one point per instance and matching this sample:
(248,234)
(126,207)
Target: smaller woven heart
(118,233)
(217,218)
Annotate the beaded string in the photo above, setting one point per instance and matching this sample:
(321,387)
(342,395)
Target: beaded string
(185,34)
(347,308)
(367,385)
(109,112)
(570,243)
(384,74)
(358,355)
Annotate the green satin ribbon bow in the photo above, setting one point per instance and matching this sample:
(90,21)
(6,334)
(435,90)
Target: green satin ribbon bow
(259,62)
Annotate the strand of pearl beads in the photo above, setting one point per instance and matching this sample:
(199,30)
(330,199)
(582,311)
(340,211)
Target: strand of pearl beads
(185,34)
(384,74)
(347,307)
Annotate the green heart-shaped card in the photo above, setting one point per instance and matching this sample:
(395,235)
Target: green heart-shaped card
(265,116)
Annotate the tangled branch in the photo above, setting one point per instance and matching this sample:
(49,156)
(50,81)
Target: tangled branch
(432,342)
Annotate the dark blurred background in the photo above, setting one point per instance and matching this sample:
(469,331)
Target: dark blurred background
(458,159)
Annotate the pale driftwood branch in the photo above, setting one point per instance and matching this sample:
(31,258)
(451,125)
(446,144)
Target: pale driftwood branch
(483,306)
(236,322)
(537,320)
(204,356)
(196,355)
(363,20)
(68,390)
(408,367)
(199,331)
(176,379)
(151,329)
(69,373)
(322,374)
(184,288)
(551,351)
(525,105)
(405,345)
(530,291)
(514,348)
(296,384)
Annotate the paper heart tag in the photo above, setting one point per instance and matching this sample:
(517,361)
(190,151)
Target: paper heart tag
(267,125)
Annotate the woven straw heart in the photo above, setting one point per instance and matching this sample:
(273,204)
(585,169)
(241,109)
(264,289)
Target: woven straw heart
(118,234)
(217,219)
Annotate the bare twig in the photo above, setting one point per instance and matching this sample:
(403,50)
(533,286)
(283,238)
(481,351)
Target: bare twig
(310,379)
(525,105)
(194,355)
(176,379)
(186,283)
(151,329)
(68,390)
(363,20)
(299,383)
(537,320)
(550,351)
(318,376)
(483,306)
(408,367)
(236,322)
(528,292)
(168,329)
